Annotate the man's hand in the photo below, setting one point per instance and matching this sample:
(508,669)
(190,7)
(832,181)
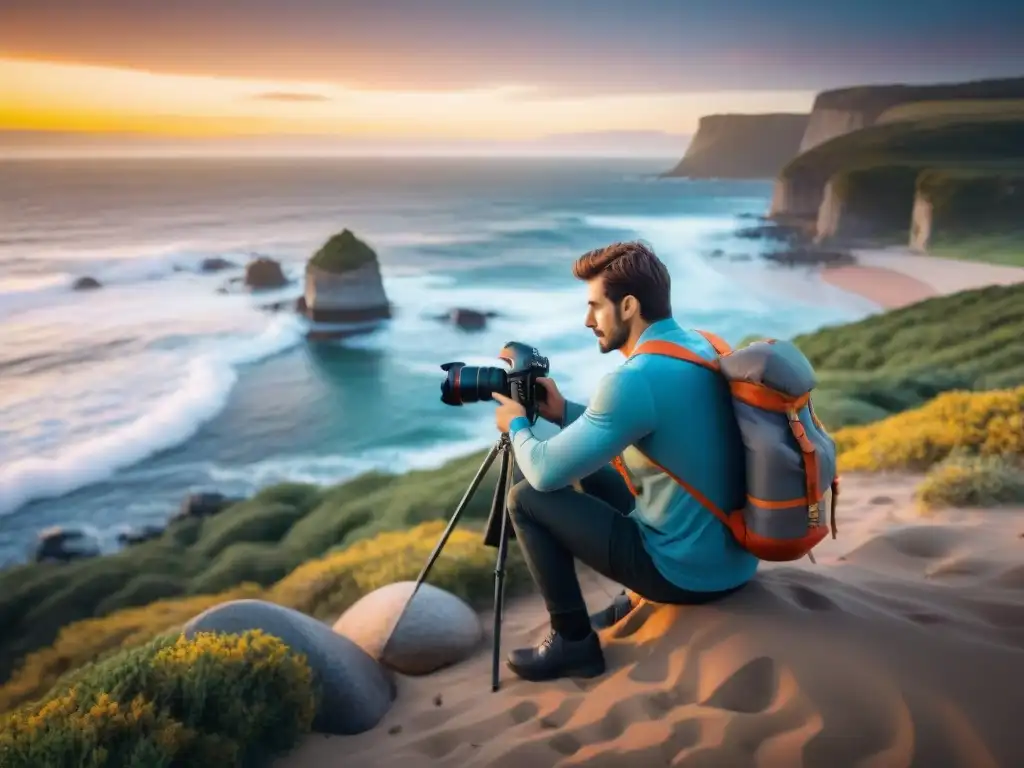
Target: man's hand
(507,410)
(552,407)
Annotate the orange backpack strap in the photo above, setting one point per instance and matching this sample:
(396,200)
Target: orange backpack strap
(721,345)
(668,349)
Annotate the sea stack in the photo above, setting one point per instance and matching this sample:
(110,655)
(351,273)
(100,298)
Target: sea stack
(344,290)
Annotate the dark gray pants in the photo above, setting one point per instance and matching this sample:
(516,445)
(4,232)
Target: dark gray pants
(558,527)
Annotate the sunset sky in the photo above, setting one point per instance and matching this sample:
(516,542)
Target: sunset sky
(464,70)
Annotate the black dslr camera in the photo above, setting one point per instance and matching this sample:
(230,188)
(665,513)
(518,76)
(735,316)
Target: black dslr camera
(470,384)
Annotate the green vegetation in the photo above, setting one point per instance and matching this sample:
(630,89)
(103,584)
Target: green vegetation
(985,424)
(952,107)
(343,252)
(228,700)
(257,541)
(973,481)
(936,142)
(322,587)
(1007,249)
(891,362)
(876,99)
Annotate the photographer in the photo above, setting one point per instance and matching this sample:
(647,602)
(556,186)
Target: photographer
(662,544)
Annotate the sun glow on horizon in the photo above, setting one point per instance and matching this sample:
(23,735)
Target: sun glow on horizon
(49,96)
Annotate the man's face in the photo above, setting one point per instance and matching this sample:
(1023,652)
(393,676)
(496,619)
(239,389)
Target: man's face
(604,318)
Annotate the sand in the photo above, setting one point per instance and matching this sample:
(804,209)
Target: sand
(896,277)
(902,646)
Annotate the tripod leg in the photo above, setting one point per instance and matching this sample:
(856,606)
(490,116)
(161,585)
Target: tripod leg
(463,504)
(499,570)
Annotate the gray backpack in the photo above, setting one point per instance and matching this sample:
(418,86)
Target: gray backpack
(790,458)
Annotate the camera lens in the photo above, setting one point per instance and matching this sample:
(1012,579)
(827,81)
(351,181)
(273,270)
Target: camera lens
(470,384)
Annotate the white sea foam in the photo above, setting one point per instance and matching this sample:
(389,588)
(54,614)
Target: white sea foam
(172,420)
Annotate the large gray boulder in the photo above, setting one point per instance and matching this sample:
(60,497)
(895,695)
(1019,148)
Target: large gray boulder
(356,692)
(438,630)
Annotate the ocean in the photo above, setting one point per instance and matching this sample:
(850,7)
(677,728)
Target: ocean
(117,403)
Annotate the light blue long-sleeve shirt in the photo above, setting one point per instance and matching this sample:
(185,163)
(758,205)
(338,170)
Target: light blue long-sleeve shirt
(680,414)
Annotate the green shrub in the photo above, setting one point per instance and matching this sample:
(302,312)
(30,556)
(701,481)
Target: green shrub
(902,359)
(975,423)
(213,700)
(142,590)
(973,481)
(184,532)
(253,520)
(244,562)
(343,252)
(79,643)
(324,588)
(300,496)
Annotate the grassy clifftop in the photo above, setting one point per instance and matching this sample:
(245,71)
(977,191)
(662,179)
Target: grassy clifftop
(973,340)
(875,99)
(949,140)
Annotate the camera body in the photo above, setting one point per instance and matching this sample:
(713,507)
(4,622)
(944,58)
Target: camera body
(471,384)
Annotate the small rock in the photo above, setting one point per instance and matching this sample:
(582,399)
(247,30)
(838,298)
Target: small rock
(65,544)
(394,729)
(216,265)
(878,500)
(438,629)
(356,691)
(438,701)
(85,284)
(263,273)
(204,505)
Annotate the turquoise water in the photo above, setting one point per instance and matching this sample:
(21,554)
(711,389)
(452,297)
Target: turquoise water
(114,404)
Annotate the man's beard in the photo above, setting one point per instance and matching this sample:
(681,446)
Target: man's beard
(617,338)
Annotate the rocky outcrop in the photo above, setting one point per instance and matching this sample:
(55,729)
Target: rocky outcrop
(263,273)
(215,264)
(867,204)
(344,290)
(203,505)
(921,223)
(735,146)
(356,692)
(849,109)
(65,544)
(85,284)
(437,630)
(960,203)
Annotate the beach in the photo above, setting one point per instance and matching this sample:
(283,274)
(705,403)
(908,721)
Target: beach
(896,277)
(902,646)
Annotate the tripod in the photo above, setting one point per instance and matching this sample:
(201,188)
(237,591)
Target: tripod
(497,534)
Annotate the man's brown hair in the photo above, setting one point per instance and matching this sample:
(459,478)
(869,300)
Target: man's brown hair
(630,269)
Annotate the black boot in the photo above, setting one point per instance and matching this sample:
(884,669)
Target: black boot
(614,613)
(557,657)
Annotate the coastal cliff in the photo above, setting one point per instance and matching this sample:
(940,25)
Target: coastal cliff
(864,114)
(849,109)
(735,146)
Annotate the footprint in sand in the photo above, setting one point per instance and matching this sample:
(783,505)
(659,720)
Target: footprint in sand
(750,689)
